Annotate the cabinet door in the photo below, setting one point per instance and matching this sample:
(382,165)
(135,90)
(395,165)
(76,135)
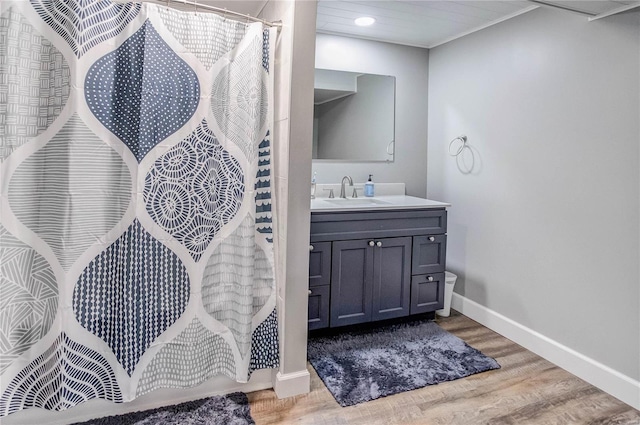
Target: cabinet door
(429,254)
(319,307)
(391,278)
(351,282)
(427,293)
(319,263)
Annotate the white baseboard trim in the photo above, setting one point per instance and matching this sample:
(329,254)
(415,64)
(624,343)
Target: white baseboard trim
(290,384)
(92,409)
(607,379)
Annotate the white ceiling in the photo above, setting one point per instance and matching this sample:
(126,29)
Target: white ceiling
(425,23)
(429,23)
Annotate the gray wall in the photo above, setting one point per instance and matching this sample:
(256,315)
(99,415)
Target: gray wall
(545,230)
(409,65)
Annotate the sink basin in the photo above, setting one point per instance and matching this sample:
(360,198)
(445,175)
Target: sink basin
(357,201)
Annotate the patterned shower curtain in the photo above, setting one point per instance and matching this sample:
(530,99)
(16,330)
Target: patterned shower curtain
(136,242)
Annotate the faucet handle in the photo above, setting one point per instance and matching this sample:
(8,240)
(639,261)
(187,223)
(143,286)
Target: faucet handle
(330,193)
(355,191)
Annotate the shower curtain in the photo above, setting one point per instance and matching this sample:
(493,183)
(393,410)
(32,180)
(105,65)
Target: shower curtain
(136,241)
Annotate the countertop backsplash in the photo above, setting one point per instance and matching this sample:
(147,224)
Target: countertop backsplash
(381,189)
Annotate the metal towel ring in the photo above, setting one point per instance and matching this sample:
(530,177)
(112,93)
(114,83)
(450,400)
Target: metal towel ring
(463,144)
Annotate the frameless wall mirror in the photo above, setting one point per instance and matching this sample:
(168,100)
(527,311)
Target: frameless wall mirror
(353,116)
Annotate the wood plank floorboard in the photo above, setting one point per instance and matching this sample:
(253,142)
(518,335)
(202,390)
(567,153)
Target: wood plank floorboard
(526,390)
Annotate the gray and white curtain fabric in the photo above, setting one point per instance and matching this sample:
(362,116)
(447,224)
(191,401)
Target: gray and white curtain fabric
(136,242)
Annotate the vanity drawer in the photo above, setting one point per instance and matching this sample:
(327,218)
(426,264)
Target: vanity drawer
(428,254)
(336,226)
(427,293)
(319,297)
(319,263)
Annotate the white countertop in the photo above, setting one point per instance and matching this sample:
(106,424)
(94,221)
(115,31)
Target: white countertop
(394,202)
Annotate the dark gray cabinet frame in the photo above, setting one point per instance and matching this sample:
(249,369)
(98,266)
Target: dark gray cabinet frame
(361,288)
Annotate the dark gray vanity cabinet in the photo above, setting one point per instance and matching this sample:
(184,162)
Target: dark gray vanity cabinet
(352,278)
(427,293)
(319,278)
(427,283)
(375,265)
(370,280)
(319,307)
(429,254)
(391,278)
(319,263)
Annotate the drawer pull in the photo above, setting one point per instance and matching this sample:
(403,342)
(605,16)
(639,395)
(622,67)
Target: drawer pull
(310,292)
(431,239)
(371,243)
(310,248)
(430,278)
(378,244)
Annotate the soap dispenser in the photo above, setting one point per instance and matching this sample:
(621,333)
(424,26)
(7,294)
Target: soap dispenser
(368,187)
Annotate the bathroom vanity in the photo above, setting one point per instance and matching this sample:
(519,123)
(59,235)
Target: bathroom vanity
(375,258)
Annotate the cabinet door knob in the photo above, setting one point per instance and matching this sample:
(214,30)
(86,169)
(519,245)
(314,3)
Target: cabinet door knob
(430,278)
(431,239)
(371,243)
(310,292)
(310,247)
(378,243)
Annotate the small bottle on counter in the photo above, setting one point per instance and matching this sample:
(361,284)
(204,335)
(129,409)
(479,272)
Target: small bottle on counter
(369,189)
(313,186)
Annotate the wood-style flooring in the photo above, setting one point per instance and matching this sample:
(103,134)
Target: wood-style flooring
(526,390)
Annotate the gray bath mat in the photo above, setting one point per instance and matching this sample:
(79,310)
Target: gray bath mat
(230,409)
(360,366)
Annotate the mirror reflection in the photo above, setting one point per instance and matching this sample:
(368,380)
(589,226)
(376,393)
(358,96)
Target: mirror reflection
(354,116)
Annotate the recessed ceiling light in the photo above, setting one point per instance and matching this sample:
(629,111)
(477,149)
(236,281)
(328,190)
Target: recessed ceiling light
(365,21)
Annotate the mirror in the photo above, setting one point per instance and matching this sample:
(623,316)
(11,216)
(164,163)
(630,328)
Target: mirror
(353,116)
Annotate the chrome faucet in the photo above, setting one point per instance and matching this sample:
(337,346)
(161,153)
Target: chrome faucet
(350,180)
